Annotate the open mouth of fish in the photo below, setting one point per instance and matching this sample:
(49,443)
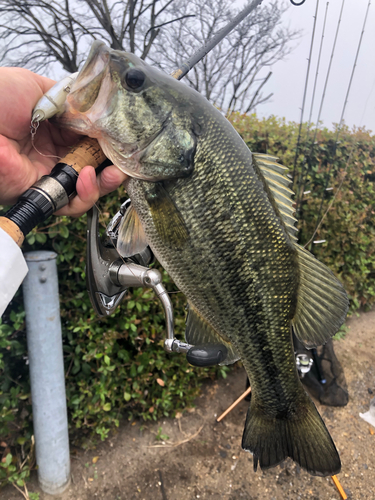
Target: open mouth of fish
(91,98)
(90,93)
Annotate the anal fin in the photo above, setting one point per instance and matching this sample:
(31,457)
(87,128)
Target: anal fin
(199,332)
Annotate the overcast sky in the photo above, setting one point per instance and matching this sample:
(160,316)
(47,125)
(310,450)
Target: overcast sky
(288,78)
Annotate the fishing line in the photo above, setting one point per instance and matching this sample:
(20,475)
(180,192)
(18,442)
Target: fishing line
(318,65)
(333,198)
(304,172)
(355,63)
(305,89)
(33,129)
(318,224)
(367,100)
(299,184)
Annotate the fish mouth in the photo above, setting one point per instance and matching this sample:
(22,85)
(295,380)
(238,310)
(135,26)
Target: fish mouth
(86,88)
(92,97)
(90,93)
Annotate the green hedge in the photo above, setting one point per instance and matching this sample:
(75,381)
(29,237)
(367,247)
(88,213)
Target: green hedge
(349,227)
(116,366)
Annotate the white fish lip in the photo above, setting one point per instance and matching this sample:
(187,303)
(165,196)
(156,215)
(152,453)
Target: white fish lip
(89,96)
(96,62)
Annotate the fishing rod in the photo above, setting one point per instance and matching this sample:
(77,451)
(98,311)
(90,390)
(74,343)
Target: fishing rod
(55,190)
(339,128)
(298,185)
(308,157)
(305,89)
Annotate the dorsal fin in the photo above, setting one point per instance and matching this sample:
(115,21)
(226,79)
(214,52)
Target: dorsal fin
(278,182)
(275,176)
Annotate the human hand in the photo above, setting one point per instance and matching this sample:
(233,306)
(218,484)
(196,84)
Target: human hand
(20,165)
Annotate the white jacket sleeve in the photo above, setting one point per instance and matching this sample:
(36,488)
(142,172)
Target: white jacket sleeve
(13,269)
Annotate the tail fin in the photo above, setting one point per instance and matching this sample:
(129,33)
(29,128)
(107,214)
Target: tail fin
(300,435)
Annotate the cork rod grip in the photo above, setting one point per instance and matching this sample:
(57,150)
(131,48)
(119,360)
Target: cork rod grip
(12,229)
(51,192)
(86,152)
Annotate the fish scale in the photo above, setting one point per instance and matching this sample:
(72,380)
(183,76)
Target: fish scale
(230,290)
(219,220)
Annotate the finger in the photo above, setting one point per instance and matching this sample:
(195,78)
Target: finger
(110,179)
(21,89)
(17,172)
(90,187)
(87,194)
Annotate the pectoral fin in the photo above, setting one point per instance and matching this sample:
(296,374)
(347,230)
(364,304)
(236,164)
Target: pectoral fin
(131,236)
(167,219)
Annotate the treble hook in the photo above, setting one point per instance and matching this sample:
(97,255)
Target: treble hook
(297,4)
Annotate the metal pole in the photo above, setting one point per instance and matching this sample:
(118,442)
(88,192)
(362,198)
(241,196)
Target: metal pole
(44,341)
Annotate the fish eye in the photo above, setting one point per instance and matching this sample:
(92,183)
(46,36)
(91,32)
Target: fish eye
(134,78)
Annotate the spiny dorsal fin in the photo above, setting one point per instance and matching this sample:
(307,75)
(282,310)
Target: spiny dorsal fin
(131,236)
(322,302)
(278,182)
(290,220)
(199,332)
(275,176)
(272,165)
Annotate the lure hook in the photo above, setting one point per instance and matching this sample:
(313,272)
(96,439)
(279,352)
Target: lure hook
(296,3)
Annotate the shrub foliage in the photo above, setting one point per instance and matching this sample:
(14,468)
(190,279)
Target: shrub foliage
(342,159)
(116,366)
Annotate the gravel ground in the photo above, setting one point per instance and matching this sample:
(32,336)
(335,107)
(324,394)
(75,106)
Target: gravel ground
(202,459)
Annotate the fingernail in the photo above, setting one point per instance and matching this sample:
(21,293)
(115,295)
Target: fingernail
(94,181)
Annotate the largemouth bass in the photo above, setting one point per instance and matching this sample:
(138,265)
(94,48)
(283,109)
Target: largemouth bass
(219,220)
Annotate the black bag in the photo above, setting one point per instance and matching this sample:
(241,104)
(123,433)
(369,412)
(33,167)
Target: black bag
(326,380)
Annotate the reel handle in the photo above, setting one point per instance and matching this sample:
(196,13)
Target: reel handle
(207,354)
(53,191)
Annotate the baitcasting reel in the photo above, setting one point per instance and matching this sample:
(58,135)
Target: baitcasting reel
(109,276)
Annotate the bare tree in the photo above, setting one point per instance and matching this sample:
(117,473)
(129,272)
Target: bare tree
(234,74)
(36,33)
